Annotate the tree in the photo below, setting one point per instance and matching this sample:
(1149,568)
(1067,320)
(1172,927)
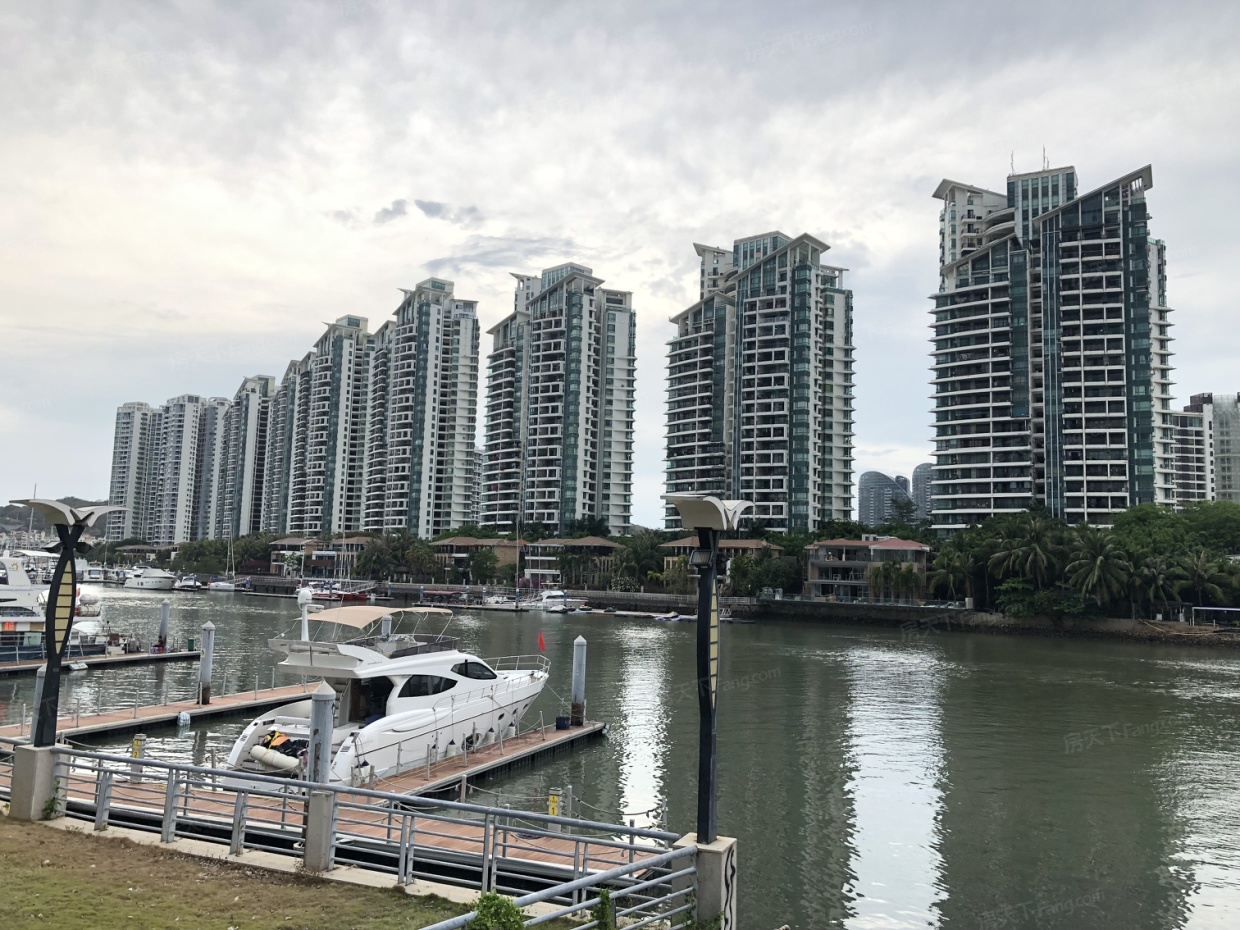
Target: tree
(1156,580)
(675,578)
(950,574)
(903,511)
(1098,568)
(482,566)
(1202,576)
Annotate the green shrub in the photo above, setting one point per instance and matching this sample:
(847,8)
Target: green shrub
(495,912)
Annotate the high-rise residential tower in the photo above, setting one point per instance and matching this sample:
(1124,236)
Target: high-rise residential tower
(422,419)
(243,468)
(1052,358)
(1219,416)
(760,392)
(876,493)
(329,428)
(559,429)
(922,476)
(134,444)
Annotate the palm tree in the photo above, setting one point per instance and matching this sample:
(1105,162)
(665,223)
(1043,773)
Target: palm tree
(882,575)
(1202,575)
(1005,559)
(950,572)
(1098,568)
(1039,550)
(1157,580)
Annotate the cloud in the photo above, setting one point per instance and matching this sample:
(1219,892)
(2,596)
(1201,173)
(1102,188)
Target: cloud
(387,214)
(511,253)
(203,165)
(468,217)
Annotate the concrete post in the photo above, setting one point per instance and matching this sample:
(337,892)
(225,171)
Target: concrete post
(320,831)
(39,678)
(207,662)
(321,726)
(577,713)
(164,609)
(137,753)
(34,782)
(716,879)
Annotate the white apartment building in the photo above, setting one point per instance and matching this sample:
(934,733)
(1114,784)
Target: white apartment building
(135,443)
(560,396)
(1218,414)
(422,419)
(1051,347)
(328,440)
(760,383)
(242,470)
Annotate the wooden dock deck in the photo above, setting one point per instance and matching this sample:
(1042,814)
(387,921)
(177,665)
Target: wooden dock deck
(31,666)
(135,719)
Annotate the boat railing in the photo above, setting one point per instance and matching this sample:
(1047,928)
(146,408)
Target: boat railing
(546,858)
(534,662)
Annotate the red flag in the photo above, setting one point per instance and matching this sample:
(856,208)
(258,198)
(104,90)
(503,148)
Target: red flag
(542,646)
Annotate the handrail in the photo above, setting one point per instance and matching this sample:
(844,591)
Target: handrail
(288,785)
(597,878)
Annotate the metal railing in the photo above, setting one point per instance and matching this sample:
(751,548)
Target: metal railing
(652,892)
(6,765)
(410,837)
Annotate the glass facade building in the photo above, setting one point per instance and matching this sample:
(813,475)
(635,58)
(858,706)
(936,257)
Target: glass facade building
(760,392)
(1051,347)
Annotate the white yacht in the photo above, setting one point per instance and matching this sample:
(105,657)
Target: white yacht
(187,583)
(23,609)
(402,699)
(553,601)
(151,579)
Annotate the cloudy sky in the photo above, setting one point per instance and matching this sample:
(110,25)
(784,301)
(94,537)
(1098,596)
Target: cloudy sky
(190,190)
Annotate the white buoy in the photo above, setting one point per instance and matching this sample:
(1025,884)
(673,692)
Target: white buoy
(451,751)
(183,718)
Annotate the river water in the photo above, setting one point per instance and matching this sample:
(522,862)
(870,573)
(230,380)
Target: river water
(874,778)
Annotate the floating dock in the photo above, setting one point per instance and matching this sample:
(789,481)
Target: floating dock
(140,717)
(31,666)
(516,753)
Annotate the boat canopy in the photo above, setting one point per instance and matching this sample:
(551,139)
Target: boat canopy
(361,616)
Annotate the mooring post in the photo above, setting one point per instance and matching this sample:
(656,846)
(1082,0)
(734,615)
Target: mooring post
(321,716)
(205,664)
(577,713)
(304,597)
(164,609)
(137,753)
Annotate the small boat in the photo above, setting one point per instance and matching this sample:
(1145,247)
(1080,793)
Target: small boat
(402,698)
(78,666)
(550,600)
(187,583)
(667,618)
(222,587)
(150,579)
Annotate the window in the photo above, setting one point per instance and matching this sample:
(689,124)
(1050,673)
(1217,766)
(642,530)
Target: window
(425,686)
(475,670)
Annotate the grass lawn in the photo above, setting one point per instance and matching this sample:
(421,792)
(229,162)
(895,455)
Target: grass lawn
(53,878)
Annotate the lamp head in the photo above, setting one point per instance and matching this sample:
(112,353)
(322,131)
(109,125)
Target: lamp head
(705,511)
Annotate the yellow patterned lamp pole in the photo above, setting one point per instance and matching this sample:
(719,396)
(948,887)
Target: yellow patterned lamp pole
(70,524)
(710,516)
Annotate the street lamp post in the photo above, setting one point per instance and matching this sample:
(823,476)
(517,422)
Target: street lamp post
(710,516)
(70,524)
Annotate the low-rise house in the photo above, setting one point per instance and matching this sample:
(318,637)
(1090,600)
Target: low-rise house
(454,552)
(845,569)
(570,562)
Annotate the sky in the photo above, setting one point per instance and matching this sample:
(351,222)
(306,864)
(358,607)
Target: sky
(190,191)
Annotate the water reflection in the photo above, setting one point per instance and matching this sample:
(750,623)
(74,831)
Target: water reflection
(873,780)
